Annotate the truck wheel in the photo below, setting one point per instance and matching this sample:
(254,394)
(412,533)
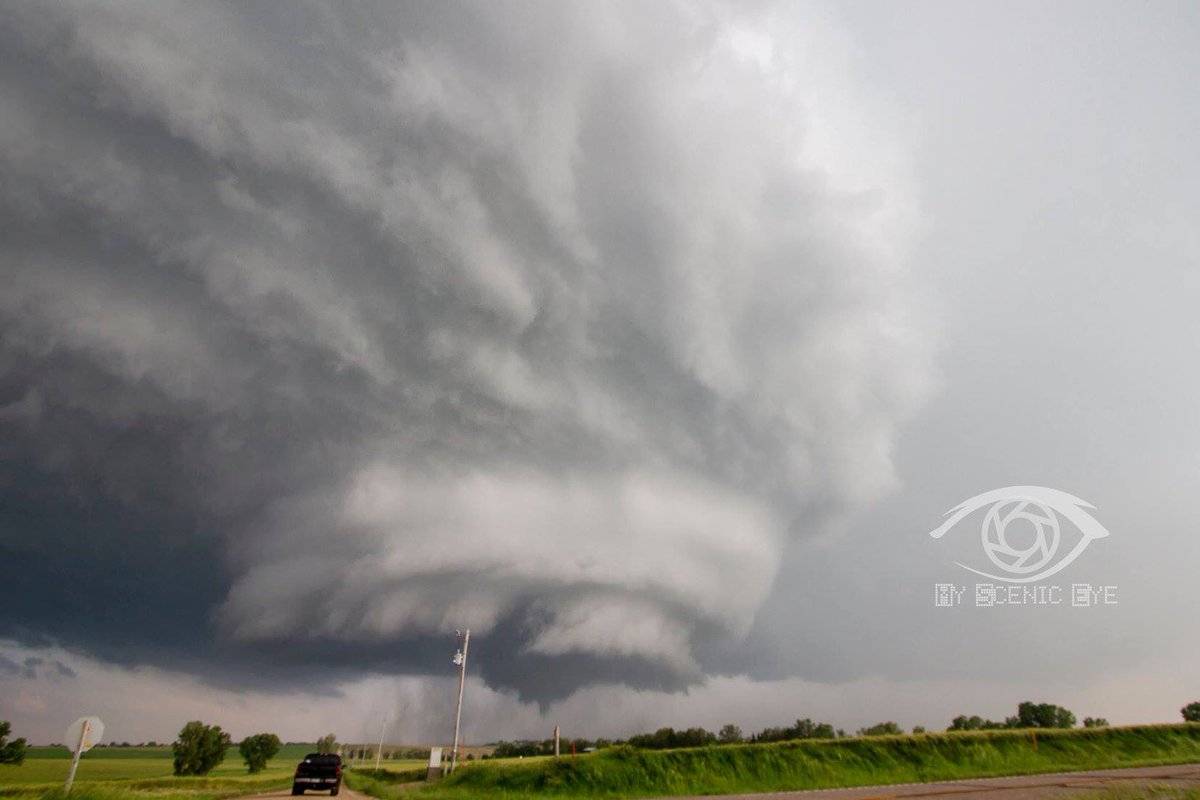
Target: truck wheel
(334,792)
(296,790)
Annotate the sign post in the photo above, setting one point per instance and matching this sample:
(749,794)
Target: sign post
(82,734)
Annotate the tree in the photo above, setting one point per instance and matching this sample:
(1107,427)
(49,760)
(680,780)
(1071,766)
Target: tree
(258,749)
(803,729)
(977,723)
(664,738)
(881,729)
(1191,712)
(1095,722)
(918,729)
(327,743)
(807,729)
(10,752)
(1044,715)
(729,734)
(199,748)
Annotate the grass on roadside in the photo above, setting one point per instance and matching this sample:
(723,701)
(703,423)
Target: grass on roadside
(383,783)
(819,764)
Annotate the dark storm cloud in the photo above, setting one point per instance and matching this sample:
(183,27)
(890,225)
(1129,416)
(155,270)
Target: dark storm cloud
(328,330)
(31,667)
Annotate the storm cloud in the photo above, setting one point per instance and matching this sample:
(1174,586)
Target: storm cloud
(327,330)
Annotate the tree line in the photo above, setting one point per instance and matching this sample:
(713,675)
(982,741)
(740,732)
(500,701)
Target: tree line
(1037,715)
(199,748)
(1029,715)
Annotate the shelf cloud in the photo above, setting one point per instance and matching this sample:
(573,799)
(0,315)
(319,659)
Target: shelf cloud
(333,329)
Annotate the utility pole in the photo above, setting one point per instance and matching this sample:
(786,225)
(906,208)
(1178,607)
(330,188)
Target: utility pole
(460,658)
(379,752)
(556,741)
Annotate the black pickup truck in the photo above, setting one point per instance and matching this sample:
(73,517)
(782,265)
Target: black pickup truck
(318,771)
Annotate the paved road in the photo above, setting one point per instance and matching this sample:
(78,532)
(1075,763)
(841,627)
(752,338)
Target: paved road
(1054,786)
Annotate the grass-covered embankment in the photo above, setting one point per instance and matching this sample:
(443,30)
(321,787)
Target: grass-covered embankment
(818,764)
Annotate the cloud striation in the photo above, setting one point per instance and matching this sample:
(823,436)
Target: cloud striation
(329,329)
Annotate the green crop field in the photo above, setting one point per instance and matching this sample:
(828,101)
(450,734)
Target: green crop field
(815,764)
(133,772)
(100,753)
(144,773)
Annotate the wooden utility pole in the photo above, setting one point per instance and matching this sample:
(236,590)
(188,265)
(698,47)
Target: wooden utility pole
(379,752)
(460,658)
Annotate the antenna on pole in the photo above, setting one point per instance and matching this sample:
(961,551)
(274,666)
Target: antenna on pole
(460,658)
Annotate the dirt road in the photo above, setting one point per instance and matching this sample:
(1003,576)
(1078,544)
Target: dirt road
(346,793)
(1057,786)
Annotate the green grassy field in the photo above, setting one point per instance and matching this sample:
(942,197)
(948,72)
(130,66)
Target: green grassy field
(100,753)
(140,772)
(144,773)
(49,765)
(817,764)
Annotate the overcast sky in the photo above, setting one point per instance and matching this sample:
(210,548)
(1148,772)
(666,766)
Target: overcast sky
(647,341)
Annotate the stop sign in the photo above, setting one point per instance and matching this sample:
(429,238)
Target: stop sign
(83,740)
